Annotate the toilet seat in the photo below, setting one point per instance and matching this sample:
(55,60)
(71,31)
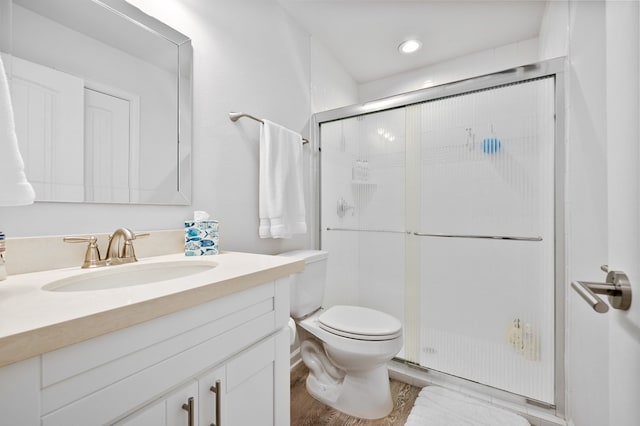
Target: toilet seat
(356,322)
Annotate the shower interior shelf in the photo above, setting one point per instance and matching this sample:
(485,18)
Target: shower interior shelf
(363,182)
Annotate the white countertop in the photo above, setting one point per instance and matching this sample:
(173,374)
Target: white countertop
(34,321)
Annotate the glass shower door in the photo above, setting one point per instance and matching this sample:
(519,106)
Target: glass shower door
(442,214)
(486,231)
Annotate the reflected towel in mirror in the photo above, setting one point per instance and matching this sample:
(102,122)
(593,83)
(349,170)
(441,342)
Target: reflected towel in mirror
(15,190)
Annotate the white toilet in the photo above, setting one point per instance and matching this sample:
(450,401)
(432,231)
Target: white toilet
(346,348)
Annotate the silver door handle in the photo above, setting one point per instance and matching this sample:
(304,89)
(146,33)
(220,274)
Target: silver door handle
(617,287)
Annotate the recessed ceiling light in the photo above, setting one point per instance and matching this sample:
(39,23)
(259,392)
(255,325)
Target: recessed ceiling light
(409,46)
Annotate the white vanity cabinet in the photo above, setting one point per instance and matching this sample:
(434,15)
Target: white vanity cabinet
(242,391)
(144,374)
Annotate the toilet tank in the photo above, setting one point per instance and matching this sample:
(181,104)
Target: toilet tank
(307,287)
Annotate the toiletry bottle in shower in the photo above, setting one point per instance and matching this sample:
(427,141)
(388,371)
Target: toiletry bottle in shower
(3,269)
(530,343)
(365,170)
(515,336)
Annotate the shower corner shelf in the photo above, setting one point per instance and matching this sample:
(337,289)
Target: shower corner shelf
(363,182)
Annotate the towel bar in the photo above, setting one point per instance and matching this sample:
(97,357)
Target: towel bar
(235,116)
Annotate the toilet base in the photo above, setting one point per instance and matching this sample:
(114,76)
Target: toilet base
(363,394)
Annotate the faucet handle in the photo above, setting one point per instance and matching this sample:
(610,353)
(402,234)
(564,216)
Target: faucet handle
(92,255)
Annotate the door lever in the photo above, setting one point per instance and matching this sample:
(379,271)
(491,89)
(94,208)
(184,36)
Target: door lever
(617,287)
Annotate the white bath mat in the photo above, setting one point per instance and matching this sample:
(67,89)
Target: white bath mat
(436,406)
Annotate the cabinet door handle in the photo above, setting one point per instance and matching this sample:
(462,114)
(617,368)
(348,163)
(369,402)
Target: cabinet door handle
(217,389)
(188,407)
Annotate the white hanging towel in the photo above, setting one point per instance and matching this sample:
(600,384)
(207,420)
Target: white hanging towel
(14,188)
(281,198)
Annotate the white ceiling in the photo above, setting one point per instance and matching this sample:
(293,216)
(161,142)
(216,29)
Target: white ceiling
(364,35)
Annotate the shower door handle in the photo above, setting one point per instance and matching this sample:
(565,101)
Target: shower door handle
(617,287)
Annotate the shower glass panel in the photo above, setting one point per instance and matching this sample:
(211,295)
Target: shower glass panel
(487,167)
(441,213)
(362,213)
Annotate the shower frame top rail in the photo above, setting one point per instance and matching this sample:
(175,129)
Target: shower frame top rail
(235,116)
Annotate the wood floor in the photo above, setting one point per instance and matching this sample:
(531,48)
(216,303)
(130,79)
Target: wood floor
(306,411)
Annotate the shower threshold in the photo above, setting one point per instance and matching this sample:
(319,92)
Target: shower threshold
(537,413)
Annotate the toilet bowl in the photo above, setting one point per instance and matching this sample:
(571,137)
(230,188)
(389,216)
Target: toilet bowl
(346,372)
(346,348)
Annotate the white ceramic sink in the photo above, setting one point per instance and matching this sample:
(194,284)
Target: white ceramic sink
(110,277)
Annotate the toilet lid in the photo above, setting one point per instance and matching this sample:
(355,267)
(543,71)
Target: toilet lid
(361,323)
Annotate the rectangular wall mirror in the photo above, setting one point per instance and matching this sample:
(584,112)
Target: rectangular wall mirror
(102,102)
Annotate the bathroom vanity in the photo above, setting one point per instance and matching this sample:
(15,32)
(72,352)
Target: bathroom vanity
(208,348)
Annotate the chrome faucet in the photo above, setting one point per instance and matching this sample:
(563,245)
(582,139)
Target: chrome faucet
(120,249)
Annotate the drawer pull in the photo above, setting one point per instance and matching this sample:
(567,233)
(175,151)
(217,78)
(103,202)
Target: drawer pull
(188,407)
(217,389)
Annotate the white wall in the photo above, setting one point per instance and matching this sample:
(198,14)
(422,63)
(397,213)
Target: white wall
(553,38)
(577,29)
(248,56)
(331,86)
(473,65)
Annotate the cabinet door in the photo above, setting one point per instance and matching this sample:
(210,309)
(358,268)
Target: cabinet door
(249,396)
(246,389)
(172,410)
(252,401)
(182,406)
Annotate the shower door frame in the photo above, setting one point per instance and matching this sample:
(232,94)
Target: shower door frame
(550,68)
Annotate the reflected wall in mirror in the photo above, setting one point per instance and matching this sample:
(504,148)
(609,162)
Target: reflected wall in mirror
(102,101)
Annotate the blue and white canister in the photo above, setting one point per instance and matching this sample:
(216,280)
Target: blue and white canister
(201,237)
